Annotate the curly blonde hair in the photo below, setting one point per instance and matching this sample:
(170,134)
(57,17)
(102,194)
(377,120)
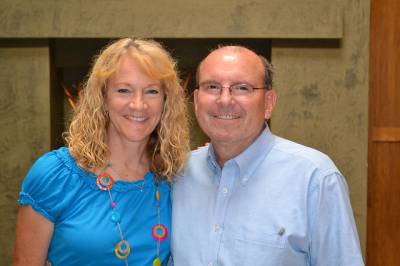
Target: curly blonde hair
(169,142)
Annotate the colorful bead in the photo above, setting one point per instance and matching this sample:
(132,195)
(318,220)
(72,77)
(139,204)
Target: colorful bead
(104,181)
(158,195)
(160,232)
(116,217)
(122,249)
(157,262)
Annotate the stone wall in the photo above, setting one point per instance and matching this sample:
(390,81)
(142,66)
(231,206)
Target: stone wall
(319,49)
(25,128)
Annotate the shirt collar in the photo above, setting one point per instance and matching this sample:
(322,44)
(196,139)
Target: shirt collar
(212,161)
(249,159)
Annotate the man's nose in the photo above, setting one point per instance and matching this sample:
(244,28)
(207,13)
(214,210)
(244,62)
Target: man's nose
(225,97)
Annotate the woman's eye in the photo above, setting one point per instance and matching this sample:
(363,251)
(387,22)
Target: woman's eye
(123,90)
(152,91)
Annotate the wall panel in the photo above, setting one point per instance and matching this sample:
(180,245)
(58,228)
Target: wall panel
(177,19)
(322,90)
(25,128)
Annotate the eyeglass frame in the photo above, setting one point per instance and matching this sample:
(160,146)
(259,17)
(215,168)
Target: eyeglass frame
(221,87)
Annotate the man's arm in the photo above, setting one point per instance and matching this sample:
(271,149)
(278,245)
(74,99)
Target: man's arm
(334,238)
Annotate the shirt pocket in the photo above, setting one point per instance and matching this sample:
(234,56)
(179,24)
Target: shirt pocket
(258,248)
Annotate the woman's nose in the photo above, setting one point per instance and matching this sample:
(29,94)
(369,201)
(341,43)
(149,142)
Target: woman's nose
(137,101)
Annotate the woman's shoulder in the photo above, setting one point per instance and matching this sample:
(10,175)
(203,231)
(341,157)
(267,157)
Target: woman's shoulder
(56,171)
(50,183)
(49,164)
(51,158)
(55,164)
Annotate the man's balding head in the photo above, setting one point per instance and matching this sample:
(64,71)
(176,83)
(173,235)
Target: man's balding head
(267,72)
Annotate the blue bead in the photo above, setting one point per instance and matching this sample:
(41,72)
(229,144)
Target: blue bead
(116,217)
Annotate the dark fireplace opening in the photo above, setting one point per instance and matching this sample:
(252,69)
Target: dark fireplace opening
(71,59)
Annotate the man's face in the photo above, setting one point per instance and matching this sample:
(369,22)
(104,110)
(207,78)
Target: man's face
(233,121)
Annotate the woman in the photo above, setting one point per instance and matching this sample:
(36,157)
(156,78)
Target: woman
(104,200)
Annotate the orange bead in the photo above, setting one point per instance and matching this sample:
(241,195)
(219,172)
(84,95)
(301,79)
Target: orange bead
(158,195)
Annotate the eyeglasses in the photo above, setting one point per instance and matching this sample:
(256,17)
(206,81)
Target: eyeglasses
(241,89)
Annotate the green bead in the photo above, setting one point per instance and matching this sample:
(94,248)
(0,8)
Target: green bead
(157,262)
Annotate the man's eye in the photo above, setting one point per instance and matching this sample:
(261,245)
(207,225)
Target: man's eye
(212,87)
(242,88)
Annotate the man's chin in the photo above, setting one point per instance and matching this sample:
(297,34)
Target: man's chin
(223,139)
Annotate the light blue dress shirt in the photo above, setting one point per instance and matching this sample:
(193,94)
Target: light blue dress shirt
(276,203)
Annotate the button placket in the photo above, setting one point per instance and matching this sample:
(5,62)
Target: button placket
(228,176)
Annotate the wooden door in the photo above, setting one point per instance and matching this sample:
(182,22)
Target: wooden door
(383,235)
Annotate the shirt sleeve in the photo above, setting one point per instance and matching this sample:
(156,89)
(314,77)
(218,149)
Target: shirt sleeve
(334,238)
(44,186)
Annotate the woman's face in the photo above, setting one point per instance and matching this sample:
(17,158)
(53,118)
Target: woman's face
(134,102)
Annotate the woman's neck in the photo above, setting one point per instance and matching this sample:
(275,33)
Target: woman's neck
(128,161)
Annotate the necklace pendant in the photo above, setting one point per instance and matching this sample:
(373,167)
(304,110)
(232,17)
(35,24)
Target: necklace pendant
(104,181)
(157,262)
(160,232)
(122,249)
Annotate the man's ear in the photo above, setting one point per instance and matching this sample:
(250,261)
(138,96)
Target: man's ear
(270,101)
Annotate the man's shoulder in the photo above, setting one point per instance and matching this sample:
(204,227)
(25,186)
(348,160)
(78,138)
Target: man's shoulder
(200,150)
(198,154)
(196,163)
(295,152)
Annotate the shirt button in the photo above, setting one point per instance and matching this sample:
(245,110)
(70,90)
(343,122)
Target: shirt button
(225,190)
(210,264)
(216,229)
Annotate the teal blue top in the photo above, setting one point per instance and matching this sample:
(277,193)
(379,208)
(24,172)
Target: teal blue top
(84,234)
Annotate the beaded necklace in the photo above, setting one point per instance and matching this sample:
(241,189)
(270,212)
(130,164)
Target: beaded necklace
(122,249)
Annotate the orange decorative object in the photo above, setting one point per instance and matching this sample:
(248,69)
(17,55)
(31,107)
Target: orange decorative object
(186,82)
(70,98)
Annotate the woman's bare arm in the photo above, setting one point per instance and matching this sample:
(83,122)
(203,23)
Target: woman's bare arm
(33,235)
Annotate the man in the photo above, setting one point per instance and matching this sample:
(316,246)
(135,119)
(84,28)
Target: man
(252,198)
